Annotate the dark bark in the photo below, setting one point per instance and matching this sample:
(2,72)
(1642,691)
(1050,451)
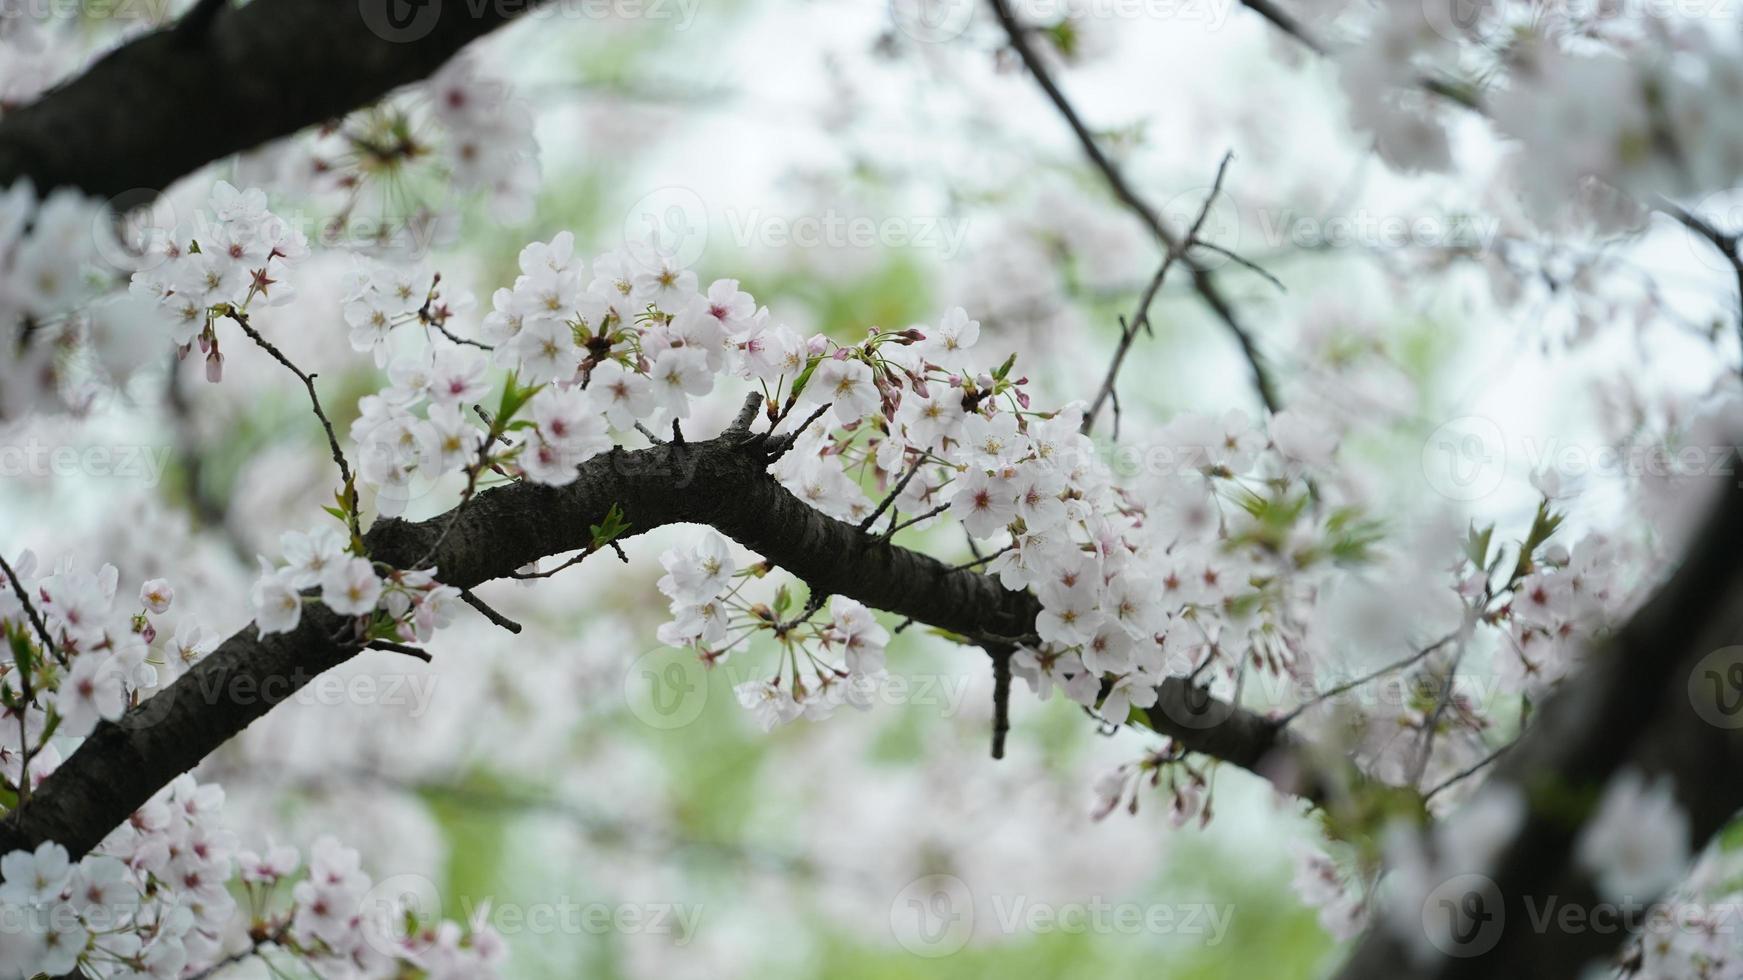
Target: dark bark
(720,482)
(165,104)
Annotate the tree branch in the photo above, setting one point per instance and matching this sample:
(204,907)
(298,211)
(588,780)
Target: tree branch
(152,110)
(719,482)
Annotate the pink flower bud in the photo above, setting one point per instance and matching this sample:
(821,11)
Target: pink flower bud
(214,366)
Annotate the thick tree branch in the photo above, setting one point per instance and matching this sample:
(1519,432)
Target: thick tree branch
(720,482)
(166,103)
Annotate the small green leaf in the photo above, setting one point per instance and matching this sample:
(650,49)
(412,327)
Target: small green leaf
(1477,545)
(804,378)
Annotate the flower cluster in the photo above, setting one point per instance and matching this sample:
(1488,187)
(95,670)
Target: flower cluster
(1586,96)
(216,265)
(843,658)
(49,249)
(154,901)
(390,171)
(399,604)
(92,664)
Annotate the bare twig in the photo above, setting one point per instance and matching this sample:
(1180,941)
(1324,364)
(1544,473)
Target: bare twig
(895,492)
(308,380)
(910,522)
(25,691)
(393,647)
(1001,657)
(1141,319)
(1351,685)
(1467,772)
(484,609)
(1203,282)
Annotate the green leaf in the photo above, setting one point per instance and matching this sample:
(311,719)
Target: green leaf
(1477,544)
(609,530)
(804,378)
(513,398)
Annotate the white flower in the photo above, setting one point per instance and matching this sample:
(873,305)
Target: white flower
(193,641)
(277,606)
(35,876)
(948,345)
(860,633)
(730,306)
(1068,613)
(990,443)
(771,703)
(984,504)
(546,349)
(351,587)
(1637,845)
(457,376)
(308,555)
(626,397)
(91,690)
(847,384)
(699,573)
(1135,689)
(371,321)
(156,595)
(447,440)
(1303,439)
(678,374)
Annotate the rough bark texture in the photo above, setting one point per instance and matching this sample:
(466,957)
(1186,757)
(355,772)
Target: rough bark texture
(720,482)
(165,104)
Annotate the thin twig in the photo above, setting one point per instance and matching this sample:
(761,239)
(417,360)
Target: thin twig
(781,443)
(1141,319)
(25,692)
(1467,772)
(901,485)
(483,608)
(1001,697)
(468,341)
(29,608)
(393,647)
(1202,281)
(1244,263)
(910,522)
(983,559)
(1365,678)
(1725,243)
(308,380)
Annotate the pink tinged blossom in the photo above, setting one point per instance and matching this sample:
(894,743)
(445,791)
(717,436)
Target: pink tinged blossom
(351,587)
(156,595)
